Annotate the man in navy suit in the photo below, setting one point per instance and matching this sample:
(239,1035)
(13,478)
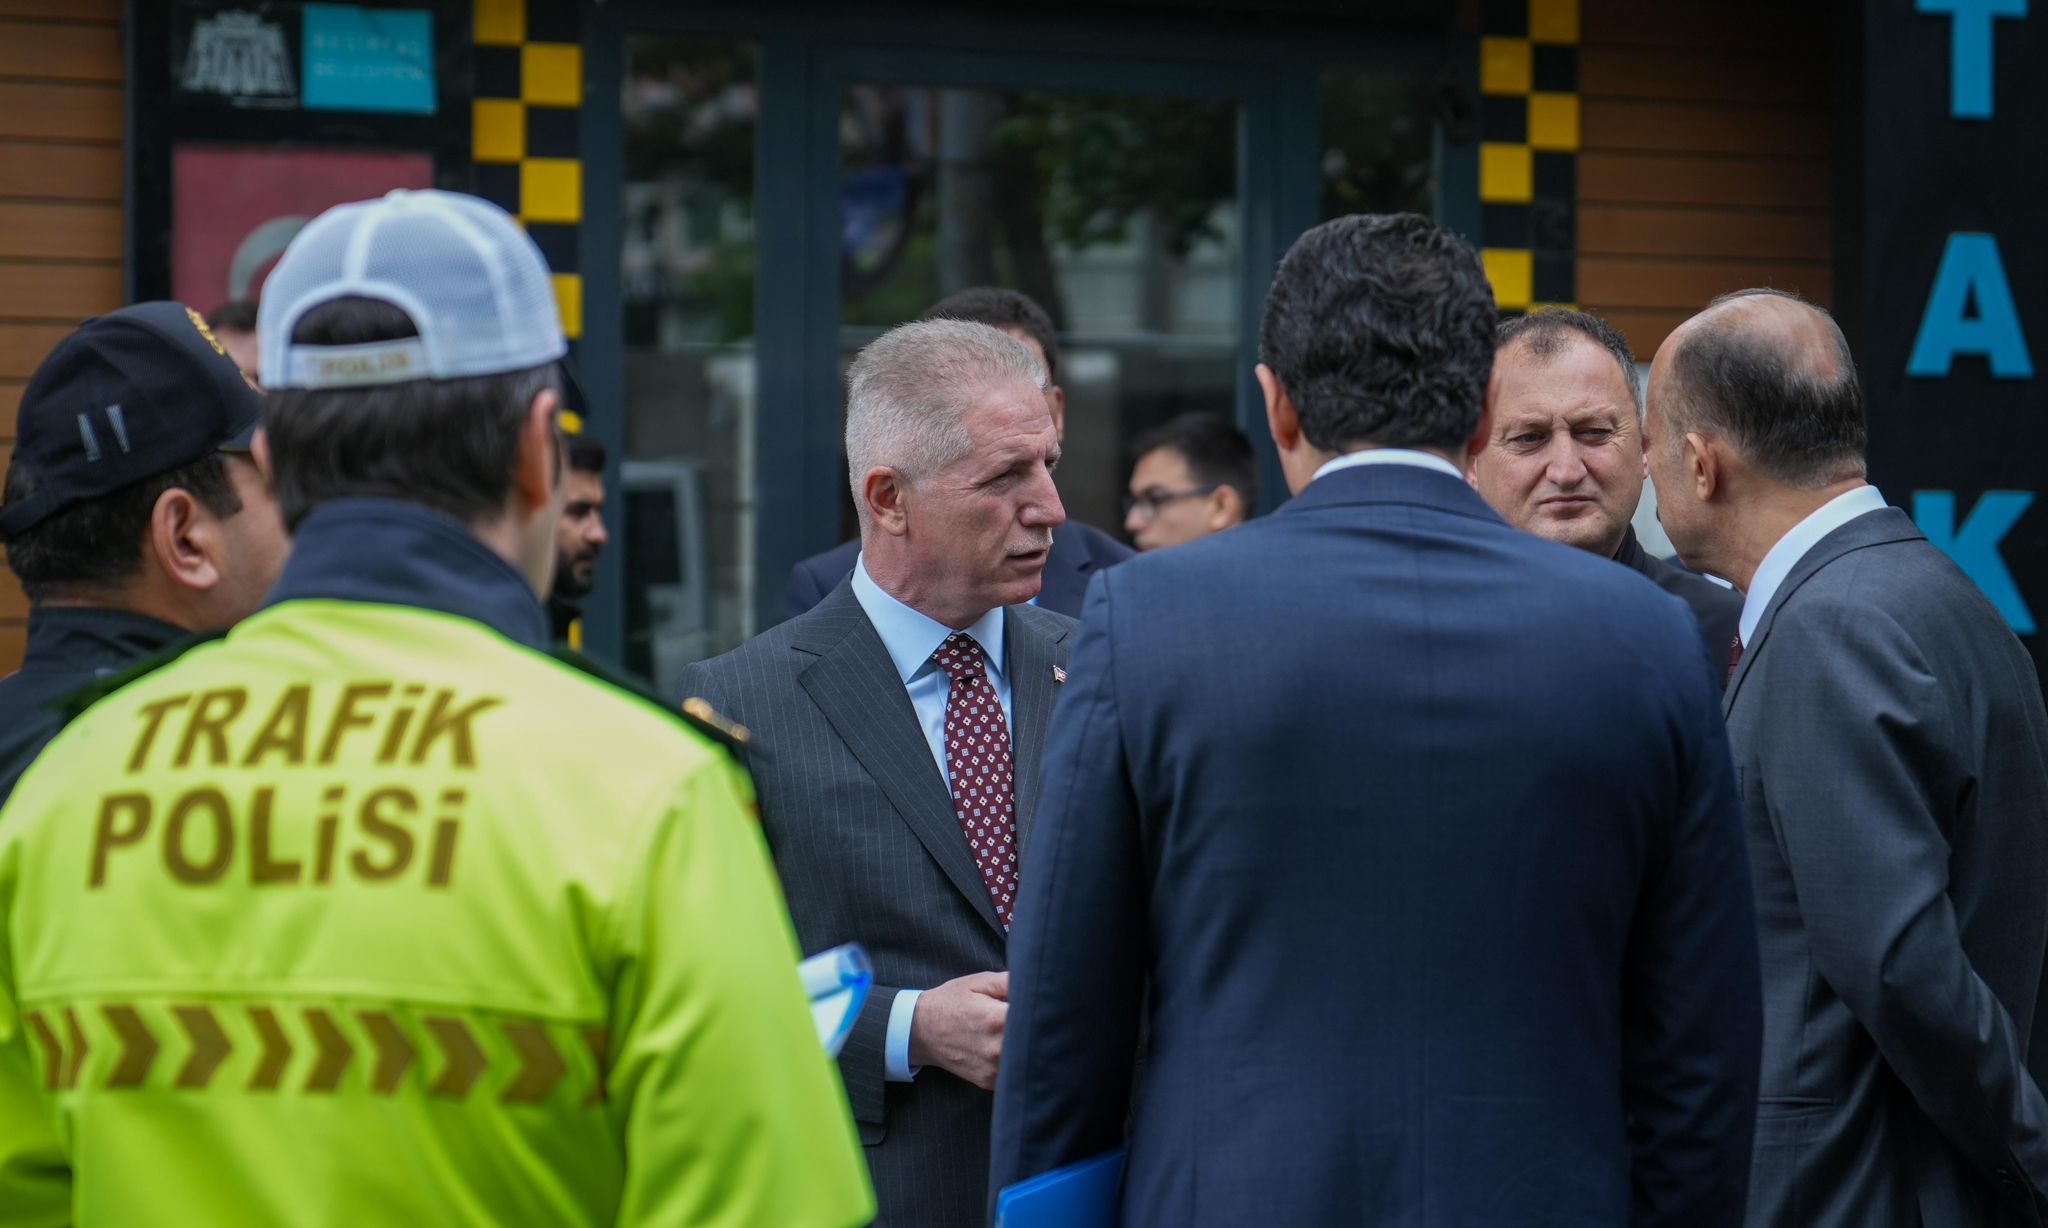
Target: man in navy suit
(1078,550)
(1415,840)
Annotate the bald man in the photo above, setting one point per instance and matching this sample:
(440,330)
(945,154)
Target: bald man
(1888,733)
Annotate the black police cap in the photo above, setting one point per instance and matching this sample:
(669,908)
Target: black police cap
(129,395)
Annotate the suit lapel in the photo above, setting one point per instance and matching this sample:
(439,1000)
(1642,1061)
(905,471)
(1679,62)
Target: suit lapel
(1033,691)
(1870,529)
(854,684)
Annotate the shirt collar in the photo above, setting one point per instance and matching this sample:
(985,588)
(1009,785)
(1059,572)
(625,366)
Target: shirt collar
(1804,536)
(912,636)
(1389,456)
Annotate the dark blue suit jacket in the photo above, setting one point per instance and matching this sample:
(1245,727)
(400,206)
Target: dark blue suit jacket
(1078,552)
(1421,834)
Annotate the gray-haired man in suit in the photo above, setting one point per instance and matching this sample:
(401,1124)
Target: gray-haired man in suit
(895,736)
(1892,750)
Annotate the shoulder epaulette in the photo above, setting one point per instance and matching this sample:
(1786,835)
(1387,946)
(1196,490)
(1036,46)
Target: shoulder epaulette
(694,712)
(84,697)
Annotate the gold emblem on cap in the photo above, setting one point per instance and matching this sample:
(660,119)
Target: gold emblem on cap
(199,322)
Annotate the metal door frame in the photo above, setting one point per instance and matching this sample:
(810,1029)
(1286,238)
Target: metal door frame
(1269,69)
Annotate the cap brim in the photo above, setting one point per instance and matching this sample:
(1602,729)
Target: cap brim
(242,440)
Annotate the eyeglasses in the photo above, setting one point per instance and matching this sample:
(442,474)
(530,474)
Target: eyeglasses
(1147,504)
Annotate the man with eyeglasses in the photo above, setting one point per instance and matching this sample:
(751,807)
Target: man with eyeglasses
(1193,476)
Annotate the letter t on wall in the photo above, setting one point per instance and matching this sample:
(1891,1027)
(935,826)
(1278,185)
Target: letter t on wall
(1969,50)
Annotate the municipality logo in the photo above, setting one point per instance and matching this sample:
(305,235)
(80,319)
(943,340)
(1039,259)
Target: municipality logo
(239,55)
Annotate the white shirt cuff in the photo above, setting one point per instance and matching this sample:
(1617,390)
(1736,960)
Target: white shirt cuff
(896,1052)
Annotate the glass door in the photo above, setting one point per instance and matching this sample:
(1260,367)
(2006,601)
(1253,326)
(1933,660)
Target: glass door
(689,414)
(774,184)
(1117,213)
(1113,192)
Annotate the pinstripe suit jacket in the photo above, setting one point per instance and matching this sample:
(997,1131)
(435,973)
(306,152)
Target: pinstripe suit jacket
(862,827)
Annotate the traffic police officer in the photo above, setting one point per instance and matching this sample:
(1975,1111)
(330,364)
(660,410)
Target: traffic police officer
(133,514)
(372,912)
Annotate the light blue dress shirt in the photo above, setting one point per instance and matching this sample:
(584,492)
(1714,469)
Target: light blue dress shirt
(1803,537)
(911,638)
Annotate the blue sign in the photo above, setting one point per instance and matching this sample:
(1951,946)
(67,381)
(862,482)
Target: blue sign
(1975,546)
(1971,271)
(1946,289)
(1969,54)
(364,59)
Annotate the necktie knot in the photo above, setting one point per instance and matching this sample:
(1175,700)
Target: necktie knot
(961,657)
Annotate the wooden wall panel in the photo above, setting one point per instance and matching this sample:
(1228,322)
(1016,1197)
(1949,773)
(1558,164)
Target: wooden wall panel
(70,291)
(1704,163)
(1637,178)
(60,230)
(1658,72)
(1723,232)
(1651,283)
(23,346)
(60,201)
(33,170)
(43,49)
(1746,26)
(100,12)
(62,111)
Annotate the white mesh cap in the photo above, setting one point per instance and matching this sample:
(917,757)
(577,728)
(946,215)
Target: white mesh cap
(472,281)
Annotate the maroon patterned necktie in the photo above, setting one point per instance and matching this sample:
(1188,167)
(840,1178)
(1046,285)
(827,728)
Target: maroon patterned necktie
(979,768)
(1734,659)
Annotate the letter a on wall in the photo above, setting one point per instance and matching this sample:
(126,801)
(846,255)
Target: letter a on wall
(1971,273)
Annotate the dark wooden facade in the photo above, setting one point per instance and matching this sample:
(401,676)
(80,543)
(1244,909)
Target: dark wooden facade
(60,199)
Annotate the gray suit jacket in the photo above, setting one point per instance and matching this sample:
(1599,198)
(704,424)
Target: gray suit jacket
(1892,753)
(862,827)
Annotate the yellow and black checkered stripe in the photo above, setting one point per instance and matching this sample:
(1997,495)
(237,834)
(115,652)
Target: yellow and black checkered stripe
(524,131)
(1528,153)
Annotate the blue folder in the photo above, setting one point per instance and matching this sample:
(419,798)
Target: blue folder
(837,982)
(1083,1195)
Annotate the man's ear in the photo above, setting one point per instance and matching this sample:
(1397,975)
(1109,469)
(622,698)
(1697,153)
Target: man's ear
(1226,508)
(1282,422)
(185,541)
(886,493)
(259,455)
(1483,429)
(1705,466)
(538,469)
(1056,400)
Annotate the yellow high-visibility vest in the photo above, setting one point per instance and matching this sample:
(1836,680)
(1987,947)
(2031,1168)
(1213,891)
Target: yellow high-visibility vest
(367,915)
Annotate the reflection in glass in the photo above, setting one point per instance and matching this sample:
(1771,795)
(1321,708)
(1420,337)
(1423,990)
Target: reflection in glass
(1118,214)
(687,260)
(1378,143)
